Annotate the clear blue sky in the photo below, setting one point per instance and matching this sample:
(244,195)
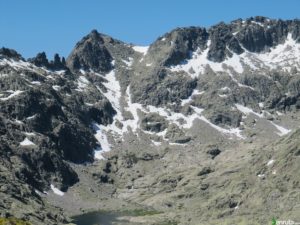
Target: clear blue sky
(31,26)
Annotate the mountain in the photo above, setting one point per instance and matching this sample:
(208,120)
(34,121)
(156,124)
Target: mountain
(200,127)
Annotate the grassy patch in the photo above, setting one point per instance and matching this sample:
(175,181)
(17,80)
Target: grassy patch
(13,221)
(141,212)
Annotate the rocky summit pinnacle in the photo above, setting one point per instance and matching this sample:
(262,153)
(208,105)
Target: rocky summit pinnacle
(90,53)
(202,125)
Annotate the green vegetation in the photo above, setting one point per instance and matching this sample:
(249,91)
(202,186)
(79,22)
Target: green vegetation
(13,221)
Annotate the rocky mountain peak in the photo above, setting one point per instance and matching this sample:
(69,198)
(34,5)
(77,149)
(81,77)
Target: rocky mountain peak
(90,54)
(175,46)
(255,34)
(41,60)
(221,42)
(58,63)
(10,53)
(95,35)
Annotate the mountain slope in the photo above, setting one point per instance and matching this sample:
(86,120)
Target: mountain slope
(185,126)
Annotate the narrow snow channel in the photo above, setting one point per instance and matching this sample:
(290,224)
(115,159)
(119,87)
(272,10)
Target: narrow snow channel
(56,190)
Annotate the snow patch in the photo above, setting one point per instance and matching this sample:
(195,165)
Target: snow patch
(26,143)
(257,23)
(285,55)
(29,134)
(225,89)
(56,190)
(113,93)
(20,64)
(60,72)
(247,110)
(56,87)
(198,62)
(35,82)
(82,83)
(3,75)
(16,64)
(156,143)
(102,140)
(261,104)
(141,49)
(37,192)
(270,162)
(19,122)
(261,175)
(128,62)
(12,95)
(282,131)
(174,143)
(31,117)
(82,71)
(133,109)
(88,104)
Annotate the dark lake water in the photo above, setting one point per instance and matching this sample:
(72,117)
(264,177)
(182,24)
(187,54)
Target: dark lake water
(99,218)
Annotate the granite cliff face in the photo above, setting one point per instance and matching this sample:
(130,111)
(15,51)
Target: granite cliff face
(185,126)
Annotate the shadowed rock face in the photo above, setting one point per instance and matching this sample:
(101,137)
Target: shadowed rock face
(45,125)
(156,90)
(90,54)
(176,46)
(10,53)
(40,60)
(221,37)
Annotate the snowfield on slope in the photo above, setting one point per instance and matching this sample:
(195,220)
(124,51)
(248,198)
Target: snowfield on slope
(284,56)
